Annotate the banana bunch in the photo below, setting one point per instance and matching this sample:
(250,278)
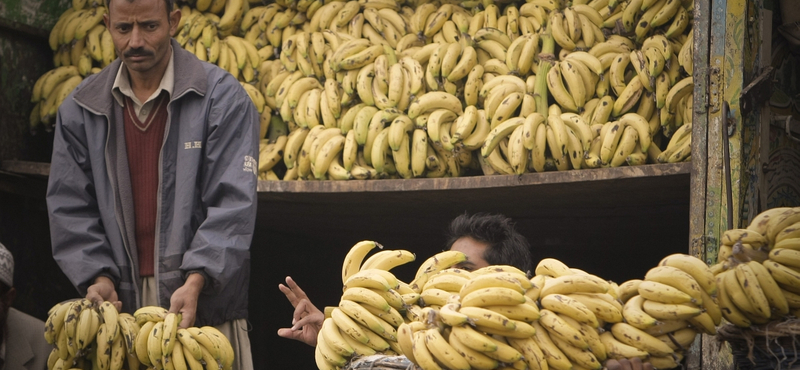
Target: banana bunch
(81,46)
(270,149)
(642,18)
(577,27)
(85,336)
(481,320)
(441,286)
(567,140)
(685,54)
(757,268)
(575,306)
(78,37)
(679,147)
(372,307)
(49,92)
(665,311)
(161,344)
(197,33)
(574,80)
(678,103)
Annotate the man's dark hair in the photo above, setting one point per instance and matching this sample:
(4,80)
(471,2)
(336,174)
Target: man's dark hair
(506,245)
(170,5)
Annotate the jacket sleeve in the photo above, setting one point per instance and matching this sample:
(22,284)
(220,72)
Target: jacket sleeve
(220,248)
(78,238)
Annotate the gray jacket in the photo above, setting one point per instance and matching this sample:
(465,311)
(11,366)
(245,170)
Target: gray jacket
(206,197)
(26,348)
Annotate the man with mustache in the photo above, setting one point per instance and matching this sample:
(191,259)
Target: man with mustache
(152,189)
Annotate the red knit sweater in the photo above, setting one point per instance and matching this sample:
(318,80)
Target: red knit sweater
(143,141)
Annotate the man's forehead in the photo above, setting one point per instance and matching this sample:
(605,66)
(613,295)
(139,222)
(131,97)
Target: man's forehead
(141,6)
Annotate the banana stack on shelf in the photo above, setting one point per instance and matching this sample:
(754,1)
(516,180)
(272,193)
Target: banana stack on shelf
(758,273)
(372,89)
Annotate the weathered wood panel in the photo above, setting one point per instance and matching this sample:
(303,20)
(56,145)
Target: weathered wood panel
(563,177)
(36,17)
(23,58)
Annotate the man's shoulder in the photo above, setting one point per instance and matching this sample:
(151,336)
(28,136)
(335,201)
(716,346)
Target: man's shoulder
(15,315)
(221,82)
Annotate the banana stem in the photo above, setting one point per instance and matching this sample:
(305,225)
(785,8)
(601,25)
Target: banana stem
(546,60)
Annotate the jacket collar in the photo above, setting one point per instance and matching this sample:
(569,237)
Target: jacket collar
(19,347)
(189,76)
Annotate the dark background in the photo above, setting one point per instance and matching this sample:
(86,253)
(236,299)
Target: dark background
(616,229)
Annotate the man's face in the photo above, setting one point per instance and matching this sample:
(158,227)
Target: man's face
(474,251)
(141,31)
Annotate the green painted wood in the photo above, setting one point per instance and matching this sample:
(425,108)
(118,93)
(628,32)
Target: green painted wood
(24,59)
(32,16)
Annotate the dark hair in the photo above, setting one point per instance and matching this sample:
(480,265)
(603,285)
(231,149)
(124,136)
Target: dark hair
(506,245)
(170,5)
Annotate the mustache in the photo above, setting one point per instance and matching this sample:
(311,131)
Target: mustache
(139,52)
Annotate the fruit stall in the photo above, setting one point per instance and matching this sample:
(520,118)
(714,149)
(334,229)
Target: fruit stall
(608,157)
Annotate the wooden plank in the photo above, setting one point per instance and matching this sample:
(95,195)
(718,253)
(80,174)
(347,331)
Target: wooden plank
(701,25)
(712,356)
(477,182)
(26,167)
(737,65)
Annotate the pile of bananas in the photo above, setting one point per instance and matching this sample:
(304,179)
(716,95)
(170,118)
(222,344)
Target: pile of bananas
(374,304)
(484,320)
(424,88)
(666,310)
(496,316)
(161,344)
(87,337)
(81,46)
(367,89)
(758,273)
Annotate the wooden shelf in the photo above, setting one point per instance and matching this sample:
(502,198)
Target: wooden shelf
(476,182)
(41,169)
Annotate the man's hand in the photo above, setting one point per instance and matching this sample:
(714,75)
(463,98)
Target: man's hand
(103,290)
(184,299)
(307,319)
(625,364)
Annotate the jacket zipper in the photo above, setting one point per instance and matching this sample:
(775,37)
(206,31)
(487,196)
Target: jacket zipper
(123,231)
(157,241)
